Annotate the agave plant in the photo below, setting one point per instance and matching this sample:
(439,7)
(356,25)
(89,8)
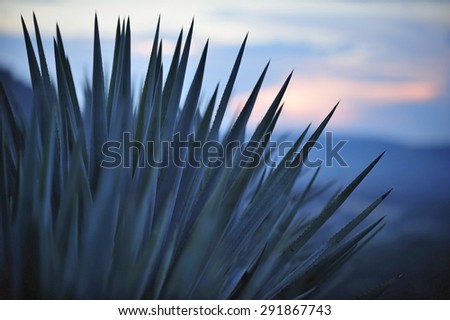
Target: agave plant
(73,228)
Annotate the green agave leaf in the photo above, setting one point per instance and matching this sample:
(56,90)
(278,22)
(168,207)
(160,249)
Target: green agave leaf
(69,124)
(99,124)
(49,89)
(145,180)
(36,79)
(98,231)
(121,109)
(75,209)
(214,134)
(203,128)
(171,78)
(276,176)
(237,130)
(272,113)
(357,220)
(191,104)
(112,92)
(45,225)
(175,93)
(309,186)
(40,99)
(148,91)
(73,112)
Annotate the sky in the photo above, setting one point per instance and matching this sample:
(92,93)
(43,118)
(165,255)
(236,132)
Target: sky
(388,62)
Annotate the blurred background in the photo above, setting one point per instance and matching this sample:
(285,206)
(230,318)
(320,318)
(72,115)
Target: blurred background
(387,61)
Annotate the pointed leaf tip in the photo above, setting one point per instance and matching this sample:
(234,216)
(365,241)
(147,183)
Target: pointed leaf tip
(379,157)
(335,107)
(191,27)
(96,23)
(387,193)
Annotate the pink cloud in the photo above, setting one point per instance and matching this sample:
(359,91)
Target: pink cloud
(309,100)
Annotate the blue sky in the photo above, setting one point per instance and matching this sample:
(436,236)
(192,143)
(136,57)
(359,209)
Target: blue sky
(387,61)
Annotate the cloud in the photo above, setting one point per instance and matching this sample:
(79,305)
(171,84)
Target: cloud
(310,99)
(266,20)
